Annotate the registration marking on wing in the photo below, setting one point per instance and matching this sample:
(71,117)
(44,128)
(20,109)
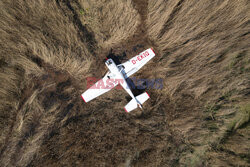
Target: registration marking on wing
(140,57)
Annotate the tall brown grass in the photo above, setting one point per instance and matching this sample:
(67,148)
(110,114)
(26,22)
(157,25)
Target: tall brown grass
(33,34)
(48,48)
(198,41)
(113,21)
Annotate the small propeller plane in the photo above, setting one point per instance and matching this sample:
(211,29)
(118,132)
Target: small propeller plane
(118,74)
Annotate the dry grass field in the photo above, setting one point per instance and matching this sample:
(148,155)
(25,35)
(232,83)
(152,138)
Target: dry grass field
(200,117)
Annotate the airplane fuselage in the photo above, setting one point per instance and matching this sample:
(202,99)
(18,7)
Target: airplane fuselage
(119,74)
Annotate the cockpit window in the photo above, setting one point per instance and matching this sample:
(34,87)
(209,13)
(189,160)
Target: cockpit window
(120,67)
(109,62)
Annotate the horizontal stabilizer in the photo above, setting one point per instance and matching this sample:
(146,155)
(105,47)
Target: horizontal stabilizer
(133,103)
(142,97)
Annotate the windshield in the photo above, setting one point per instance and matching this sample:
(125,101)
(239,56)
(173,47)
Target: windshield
(120,67)
(109,62)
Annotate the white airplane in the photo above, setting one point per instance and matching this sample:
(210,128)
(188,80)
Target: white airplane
(118,74)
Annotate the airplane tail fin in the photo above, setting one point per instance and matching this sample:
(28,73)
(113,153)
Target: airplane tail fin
(133,104)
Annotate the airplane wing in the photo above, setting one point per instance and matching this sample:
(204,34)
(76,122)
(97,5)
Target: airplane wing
(134,64)
(100,87)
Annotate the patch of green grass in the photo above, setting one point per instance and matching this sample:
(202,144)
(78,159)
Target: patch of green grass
(239,62)
(242,69)
(211,109)
(197,158)
(213,127)
(226,96)
(83,12)
(243,117)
